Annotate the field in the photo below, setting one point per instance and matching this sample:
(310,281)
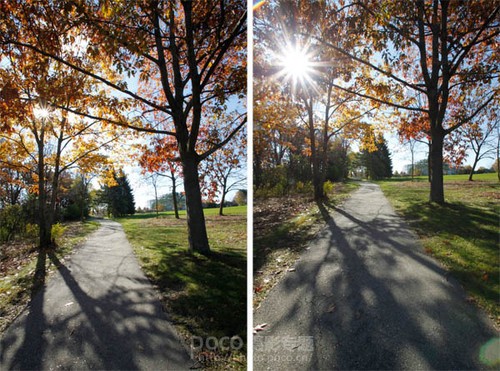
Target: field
(462,234)
(204,296)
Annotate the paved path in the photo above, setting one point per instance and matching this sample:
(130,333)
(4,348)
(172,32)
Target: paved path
(98,312)
(364,296)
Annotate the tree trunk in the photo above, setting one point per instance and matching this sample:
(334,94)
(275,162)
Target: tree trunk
(156,199)
(476,160)
(223,198)
(436,159)
(412,149)
(44,224)
(317,185)
(197,232)
(257,170)
(174,195)
(429,163)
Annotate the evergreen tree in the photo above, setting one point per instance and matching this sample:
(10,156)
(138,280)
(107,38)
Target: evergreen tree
(119,197)
(76,201)
(378,163)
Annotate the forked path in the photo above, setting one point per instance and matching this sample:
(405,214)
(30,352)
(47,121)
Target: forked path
(99,311)
(365,296)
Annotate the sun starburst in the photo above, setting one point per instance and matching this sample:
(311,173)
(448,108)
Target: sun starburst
(296,65)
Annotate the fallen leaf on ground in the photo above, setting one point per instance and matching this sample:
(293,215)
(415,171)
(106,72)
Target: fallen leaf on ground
(260,327)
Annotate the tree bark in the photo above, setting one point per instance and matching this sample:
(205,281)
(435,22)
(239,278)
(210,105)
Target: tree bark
(317,185)
(174,194)
(436,157)
(198,239)
(44,224)
(471,174)
(156,199)
(223,198)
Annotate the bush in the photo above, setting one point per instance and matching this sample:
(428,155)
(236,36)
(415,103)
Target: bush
(73,212)
(275,178)
(328,187)
(32,231)
(57,231)
(304,188)
(11,221)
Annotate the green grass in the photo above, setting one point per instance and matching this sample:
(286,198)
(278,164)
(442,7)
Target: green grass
(16,284)
(463,234)
(205,296)
(489,177)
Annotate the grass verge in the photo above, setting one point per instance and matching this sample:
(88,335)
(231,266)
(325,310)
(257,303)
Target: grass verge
(204,296)
(462,234)
(283,227)
(19,259)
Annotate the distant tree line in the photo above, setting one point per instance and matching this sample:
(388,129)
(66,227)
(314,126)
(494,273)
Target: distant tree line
(19,207)
(166,203)
(293,172)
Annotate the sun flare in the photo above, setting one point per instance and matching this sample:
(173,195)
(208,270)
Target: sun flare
(41,113)
(296,65)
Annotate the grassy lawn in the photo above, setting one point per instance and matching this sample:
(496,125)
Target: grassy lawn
(204,296)
(18,264)
(283,227)
(463,234)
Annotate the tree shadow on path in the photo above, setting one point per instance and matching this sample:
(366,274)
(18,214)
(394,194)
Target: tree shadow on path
(372,299)
(109,332)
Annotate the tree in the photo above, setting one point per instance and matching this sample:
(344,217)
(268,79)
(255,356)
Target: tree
(45,140)
(478,137)
(412,144)
(437,49)
(275,126)
(338,160)
(76,202)
(225,166)
(240,198)
(288,30)
(378,161)
(12,184)
(153,178)
(119,196)
(166,201)
(160,159)
(194,52)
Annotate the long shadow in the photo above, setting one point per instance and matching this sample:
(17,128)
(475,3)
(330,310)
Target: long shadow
(29,356)
(357,293)
(387,315)
(108,346)
(280,237)
(106,332)
(211,292)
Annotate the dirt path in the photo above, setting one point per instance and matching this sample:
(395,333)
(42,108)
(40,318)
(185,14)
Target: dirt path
(99,311)
(365,296)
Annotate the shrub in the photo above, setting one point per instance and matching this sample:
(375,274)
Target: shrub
(72,212)
(304,188)
(11,221)
(57,231)
(328,187)
(275,178)
(32,231)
